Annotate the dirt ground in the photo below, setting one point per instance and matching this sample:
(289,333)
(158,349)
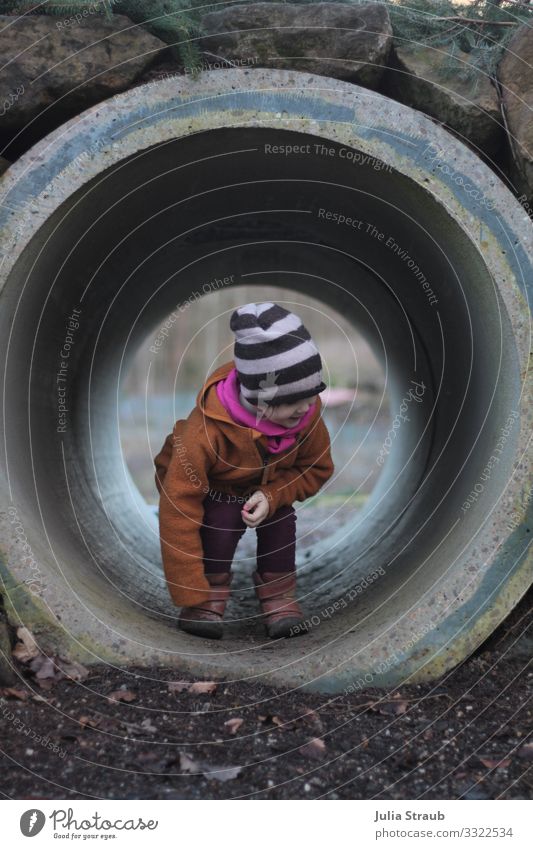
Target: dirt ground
(142,735)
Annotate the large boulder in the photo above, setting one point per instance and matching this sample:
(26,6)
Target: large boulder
(515,74)
(331,39)
(52,69)
(419,77)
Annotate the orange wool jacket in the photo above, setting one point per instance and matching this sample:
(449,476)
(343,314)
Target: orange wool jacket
(209,451)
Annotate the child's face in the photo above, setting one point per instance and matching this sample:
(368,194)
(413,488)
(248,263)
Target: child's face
(287,415)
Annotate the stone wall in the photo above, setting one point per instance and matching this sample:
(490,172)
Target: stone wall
(54,69)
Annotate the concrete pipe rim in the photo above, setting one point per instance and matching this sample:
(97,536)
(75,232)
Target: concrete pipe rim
(488,241)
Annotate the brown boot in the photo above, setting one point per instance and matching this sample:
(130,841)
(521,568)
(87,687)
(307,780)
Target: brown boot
(280,610)
(205,619)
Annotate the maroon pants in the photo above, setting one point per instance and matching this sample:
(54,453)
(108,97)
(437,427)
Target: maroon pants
(223,527)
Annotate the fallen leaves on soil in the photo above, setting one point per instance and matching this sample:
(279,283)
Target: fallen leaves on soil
(46,670)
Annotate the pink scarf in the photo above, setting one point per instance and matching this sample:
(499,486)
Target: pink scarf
(280,438)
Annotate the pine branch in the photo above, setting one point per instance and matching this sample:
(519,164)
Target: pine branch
(477,21)
(221,58)
(506,125)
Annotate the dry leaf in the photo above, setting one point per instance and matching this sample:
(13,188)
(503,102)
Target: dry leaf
(223,773)
(13,693)
(88,720)
(46,668)
(187,764)
(74,670)
(315,748)
(495,762)
(203,687)
(103,723)
(27,648)
(43,667)
(122,696)
(46,683)
(194,687)
(233,725)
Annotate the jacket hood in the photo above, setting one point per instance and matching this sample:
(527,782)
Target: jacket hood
(209,404)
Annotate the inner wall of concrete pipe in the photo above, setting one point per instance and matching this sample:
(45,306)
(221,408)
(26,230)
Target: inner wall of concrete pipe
(139,239)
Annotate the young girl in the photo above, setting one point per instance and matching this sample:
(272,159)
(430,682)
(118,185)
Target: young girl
(253,445)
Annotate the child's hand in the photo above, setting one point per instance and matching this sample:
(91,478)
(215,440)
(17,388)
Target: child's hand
(255,509)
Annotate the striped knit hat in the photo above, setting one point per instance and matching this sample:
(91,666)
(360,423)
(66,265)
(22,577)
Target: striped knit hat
(277,362)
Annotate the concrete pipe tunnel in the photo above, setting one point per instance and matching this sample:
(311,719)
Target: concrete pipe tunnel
(377,212)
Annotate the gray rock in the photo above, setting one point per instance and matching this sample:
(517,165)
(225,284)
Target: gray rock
(418,78)
(50,67)
(515,75)
(331,39)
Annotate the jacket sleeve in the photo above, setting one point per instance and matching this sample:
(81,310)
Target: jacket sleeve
(187,458)
(161,462)
(312,468)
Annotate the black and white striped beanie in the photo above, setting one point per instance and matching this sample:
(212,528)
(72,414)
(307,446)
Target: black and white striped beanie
(277,362)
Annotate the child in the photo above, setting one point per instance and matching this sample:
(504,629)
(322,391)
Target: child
(253,445)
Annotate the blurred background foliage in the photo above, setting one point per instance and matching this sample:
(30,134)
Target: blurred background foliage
(164,377)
